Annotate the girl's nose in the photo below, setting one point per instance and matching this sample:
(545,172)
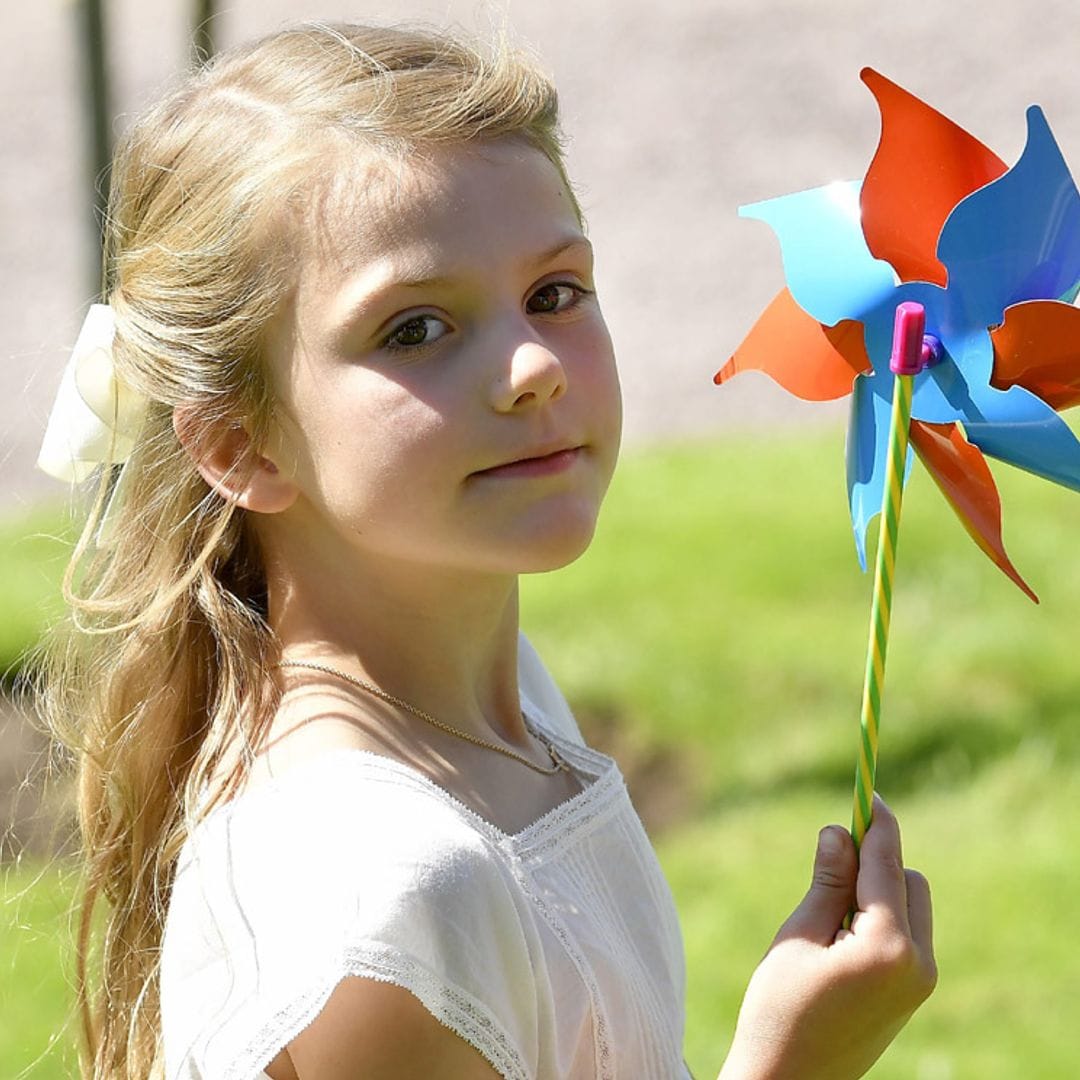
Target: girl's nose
(535,376)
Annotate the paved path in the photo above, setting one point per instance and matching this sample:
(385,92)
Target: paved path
(678,112)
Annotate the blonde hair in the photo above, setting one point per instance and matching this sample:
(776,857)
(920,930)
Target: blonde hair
(166,650)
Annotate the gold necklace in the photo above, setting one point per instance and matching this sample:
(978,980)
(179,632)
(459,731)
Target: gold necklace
(558,762)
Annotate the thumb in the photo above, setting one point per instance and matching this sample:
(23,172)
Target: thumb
(832,891)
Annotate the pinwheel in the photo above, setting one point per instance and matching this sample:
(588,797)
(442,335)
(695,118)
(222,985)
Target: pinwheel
(941,231)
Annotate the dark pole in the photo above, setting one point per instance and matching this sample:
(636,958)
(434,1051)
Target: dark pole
(202,33)
(98,109)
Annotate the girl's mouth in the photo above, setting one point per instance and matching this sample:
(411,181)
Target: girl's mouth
(549,464)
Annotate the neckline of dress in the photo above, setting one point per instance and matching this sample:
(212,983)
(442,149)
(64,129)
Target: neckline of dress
(599,772)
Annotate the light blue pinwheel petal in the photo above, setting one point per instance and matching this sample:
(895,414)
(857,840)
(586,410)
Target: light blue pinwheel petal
(828,267)
(867,452)
(1017,238)
(1020,429)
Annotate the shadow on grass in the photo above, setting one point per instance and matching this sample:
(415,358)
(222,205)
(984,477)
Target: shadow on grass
(959,747)
(671,784)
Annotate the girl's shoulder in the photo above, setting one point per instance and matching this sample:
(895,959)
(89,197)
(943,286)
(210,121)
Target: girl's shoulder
(347,839)
(341,814)
(346,865)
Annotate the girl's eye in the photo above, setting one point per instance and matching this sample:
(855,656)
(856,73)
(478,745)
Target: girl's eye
(555,297)
(417,331)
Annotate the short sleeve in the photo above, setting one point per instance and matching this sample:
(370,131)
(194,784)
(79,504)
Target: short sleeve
(347,866)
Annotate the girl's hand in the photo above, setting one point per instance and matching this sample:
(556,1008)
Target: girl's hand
(826,1002)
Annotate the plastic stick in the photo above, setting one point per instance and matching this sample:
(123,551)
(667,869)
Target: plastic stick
(907,360)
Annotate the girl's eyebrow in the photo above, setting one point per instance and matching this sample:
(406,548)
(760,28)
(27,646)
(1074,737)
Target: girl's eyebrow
(550,255)
(576,241)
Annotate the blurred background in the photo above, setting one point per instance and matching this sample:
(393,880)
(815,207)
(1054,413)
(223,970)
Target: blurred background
(677,113)
(721,657)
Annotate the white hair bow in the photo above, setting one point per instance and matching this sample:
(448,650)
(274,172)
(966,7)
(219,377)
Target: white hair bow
(95,419)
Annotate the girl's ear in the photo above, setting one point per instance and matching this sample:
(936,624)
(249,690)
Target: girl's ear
(229,463)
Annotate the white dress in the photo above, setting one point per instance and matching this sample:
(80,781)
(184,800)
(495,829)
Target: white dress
(555,951)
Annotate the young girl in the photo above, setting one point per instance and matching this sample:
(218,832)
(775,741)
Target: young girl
(343,824)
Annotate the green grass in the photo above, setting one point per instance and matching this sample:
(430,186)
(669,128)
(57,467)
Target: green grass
(721,614)
(34,548)
(37,1031)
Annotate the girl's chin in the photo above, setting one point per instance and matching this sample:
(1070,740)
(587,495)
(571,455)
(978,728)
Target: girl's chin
(555,550)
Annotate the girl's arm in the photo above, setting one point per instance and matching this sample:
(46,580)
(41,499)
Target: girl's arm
(826,1002)
(380,1031)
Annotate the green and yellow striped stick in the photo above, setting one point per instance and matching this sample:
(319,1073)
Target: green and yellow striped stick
(908,358)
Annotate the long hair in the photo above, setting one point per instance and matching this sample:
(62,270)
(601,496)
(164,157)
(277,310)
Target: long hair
(163,661)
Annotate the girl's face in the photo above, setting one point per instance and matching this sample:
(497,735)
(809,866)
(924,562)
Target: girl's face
(448,387)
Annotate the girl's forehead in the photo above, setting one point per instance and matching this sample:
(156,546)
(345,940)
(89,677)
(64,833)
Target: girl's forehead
(437,205)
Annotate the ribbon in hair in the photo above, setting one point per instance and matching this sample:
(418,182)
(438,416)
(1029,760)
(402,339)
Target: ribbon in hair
(96,417)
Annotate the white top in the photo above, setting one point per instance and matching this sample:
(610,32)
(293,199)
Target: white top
(555,951)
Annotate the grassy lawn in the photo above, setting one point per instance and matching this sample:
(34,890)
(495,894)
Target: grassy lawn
(721,615)
(33,551)
(37,1030)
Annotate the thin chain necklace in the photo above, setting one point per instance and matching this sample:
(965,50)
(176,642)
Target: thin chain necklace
(558,762)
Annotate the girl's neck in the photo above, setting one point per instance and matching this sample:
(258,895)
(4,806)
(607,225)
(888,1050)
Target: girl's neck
(444,642)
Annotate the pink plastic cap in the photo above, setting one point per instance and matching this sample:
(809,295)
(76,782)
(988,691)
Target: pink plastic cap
(907,345)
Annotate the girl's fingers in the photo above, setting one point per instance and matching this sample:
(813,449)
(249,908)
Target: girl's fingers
(920,913)
(881,887)
(831,892)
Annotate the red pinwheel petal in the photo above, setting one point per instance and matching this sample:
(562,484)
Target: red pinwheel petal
(960,471)
(924,165)
(811,361)
(1038,347)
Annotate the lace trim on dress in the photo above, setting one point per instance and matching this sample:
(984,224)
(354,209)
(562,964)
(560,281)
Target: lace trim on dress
(579,816)
(601,1037)
(451,1006)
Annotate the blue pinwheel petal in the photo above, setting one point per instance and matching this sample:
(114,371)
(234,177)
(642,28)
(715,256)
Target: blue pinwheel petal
(1017,238)
(943,392)
(867,453)
(1019,428)
(828,267)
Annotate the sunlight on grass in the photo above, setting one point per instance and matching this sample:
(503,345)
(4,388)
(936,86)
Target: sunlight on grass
(37,1033)
(34,548)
